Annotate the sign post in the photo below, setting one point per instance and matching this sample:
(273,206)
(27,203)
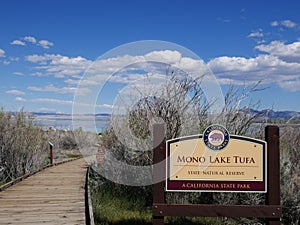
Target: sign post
(218,162)
(273,192)
(158,157)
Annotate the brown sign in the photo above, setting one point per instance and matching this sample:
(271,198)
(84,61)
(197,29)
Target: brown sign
(216,161)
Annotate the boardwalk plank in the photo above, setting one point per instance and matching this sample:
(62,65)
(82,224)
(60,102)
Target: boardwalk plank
(52,196)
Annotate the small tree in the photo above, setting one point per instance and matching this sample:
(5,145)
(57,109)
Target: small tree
(179,103)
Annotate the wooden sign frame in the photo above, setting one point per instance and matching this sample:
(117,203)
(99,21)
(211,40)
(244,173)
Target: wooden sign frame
(271,211)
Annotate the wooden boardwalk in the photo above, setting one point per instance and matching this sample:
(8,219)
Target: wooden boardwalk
(54,196)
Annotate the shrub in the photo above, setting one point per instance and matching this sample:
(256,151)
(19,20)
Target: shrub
(290,174)
(23,147)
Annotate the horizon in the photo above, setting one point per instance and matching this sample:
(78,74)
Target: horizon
(48,51)
(104,113)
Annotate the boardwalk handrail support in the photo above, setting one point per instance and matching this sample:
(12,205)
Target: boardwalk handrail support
(51,152)
(89,216)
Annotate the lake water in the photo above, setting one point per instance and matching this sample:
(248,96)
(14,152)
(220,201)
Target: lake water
(66,122)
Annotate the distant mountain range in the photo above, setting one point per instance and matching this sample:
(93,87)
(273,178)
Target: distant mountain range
(267,113)
(271,114)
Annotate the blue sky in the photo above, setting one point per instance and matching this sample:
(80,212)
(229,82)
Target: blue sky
(46,47)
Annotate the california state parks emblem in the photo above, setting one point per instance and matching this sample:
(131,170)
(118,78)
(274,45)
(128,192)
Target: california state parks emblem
(216,137)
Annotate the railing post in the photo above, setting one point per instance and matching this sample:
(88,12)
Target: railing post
(51,153)
(273,170)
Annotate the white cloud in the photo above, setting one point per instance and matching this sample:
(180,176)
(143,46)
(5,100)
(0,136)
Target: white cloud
(127,67)
(166,56)
(59,66)
(274,23)
(280,65)
(64,102)
(72,81)
(15,92)
(8,60)
(288,23)
(41,59)
(258,33)
(74,67)
(267,68)
(30,39)
(18,73)
(14,59)
(52,101)
(105,106)
(52,88)
(18,42)
(291,85)
(45,44)
(44,109)
(2,53)
(287,52)
(283,23)
(19,99)
(37,74)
